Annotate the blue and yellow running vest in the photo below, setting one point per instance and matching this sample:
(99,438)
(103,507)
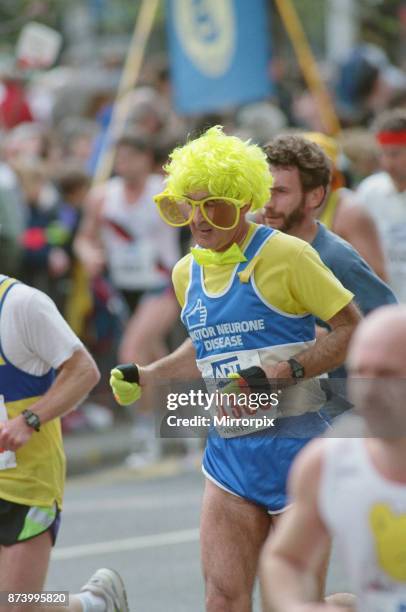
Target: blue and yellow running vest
(237,328)
(38,479)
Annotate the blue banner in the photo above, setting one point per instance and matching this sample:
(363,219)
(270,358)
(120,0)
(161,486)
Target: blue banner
(219,53)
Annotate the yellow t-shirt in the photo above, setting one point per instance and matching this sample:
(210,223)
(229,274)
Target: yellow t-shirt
(289,275)
(39,475)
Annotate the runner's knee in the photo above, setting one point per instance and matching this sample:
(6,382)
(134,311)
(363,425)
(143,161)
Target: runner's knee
(226,599)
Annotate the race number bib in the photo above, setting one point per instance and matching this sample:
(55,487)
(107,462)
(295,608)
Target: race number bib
(216,369)
(242,414)
(132,266)
(7,458)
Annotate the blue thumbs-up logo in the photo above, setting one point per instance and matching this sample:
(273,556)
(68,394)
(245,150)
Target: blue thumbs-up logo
(197,316)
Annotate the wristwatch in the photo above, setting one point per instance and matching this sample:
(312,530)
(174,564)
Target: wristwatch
(32,419)
(296,368)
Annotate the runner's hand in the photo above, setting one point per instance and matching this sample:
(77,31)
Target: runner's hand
(125,392)
(14,433)
(236,384)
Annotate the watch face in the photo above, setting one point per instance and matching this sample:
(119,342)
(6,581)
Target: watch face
(32,419)
(297,368)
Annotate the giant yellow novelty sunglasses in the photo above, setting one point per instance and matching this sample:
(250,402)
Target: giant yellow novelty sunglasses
(178,211)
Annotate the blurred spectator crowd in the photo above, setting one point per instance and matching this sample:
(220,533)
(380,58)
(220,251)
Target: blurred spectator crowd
(76,240)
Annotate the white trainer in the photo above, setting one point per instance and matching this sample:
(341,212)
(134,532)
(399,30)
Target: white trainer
(108,584)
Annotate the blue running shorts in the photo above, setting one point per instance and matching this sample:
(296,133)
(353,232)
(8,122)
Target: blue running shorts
(256,466)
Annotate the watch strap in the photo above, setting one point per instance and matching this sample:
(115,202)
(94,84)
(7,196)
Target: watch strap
(32,419)
(296,368)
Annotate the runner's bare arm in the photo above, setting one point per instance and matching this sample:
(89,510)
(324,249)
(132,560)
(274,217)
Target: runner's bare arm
(77,377)
(179,365)
(328,352)
(292,554)
(354,223)
(87,245)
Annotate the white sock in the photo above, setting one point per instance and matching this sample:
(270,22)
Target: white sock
(92,603)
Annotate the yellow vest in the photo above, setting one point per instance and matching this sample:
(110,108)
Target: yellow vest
(38,479)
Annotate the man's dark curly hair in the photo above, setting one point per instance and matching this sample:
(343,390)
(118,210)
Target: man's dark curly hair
(294,151)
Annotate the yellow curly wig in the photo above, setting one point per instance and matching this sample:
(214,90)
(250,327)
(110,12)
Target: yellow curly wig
(223,165)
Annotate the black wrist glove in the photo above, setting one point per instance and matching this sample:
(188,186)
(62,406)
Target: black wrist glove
(130,372)
(256,379)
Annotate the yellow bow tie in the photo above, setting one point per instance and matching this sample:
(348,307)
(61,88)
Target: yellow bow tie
(207,257)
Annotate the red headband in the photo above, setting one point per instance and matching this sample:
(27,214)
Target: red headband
(392,138)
